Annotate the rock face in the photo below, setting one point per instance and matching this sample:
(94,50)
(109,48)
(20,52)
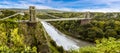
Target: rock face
(34,33)
(34,36)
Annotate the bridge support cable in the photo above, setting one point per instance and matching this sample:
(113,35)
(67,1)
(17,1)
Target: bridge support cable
(63,19)
(88,16)
(50,15)
(11,16)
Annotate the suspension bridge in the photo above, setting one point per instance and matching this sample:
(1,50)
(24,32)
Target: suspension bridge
(34,19)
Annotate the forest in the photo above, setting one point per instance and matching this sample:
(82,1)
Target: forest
(103,30)
(97,28)
(16,37)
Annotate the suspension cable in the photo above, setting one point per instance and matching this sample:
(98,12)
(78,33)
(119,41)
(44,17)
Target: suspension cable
(12,16)
(50,15)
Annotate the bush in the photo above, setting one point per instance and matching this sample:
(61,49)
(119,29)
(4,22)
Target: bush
(15,44)
(104,45)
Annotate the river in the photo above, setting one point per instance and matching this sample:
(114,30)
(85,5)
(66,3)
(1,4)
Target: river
(61,39)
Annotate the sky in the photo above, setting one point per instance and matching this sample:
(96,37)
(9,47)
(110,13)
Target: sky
(65,5)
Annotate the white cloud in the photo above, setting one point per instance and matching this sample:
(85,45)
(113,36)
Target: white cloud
(107,1)
(112,5)
(6,2)
(40,1)
(101,10)
(91,10)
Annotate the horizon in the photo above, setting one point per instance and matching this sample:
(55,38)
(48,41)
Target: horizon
(65,5)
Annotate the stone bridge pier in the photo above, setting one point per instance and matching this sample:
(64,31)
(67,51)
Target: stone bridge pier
(33,32)
(86,21)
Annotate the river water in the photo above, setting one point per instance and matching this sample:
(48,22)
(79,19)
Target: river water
(61,39)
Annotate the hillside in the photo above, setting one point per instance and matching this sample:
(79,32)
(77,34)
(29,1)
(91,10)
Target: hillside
(38,10)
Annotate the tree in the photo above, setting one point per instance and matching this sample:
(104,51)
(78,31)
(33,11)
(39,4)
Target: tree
(110,45)
(110,33)
(7,12)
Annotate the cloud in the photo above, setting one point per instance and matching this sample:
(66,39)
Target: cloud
(101,10)
(75,5)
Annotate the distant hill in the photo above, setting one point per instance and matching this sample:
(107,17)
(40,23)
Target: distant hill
(50,11)
(38,10)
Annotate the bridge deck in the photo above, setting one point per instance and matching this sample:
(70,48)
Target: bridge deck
(62,19)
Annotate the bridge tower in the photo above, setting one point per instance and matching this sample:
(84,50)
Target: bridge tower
(86,15)
(32,13)
(34,35)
